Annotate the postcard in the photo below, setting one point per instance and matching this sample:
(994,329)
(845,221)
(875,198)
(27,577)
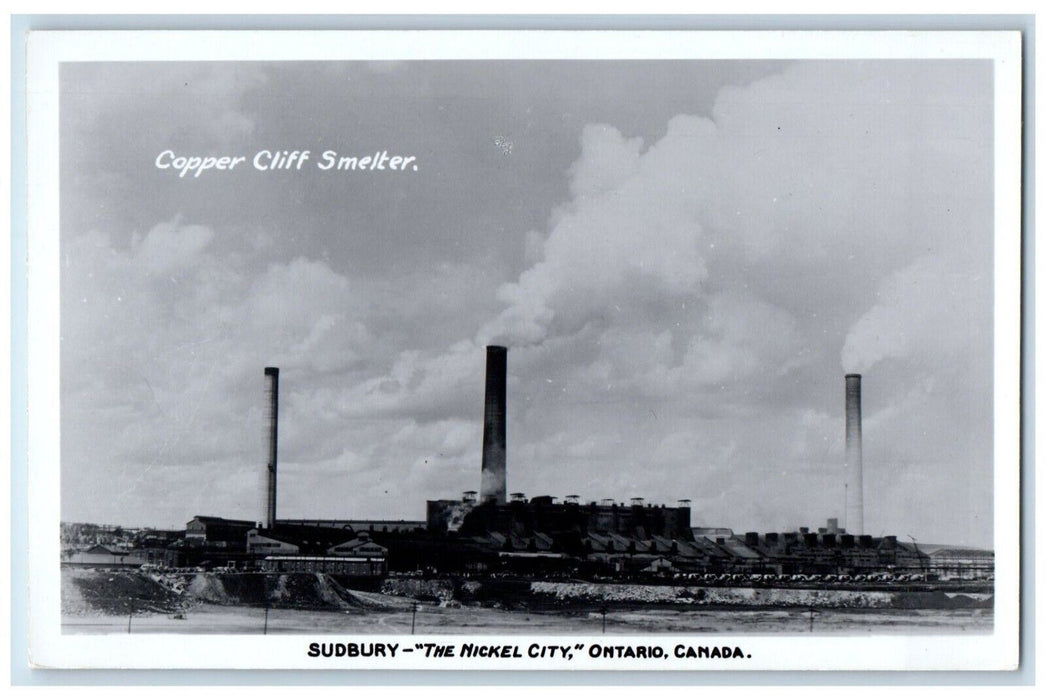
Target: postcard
(524,350)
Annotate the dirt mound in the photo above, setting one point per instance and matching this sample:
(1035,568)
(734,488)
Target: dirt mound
(307,591)
(87,591)
(253,589)
(304,591)
(367,600)
(301,591)
(209,589)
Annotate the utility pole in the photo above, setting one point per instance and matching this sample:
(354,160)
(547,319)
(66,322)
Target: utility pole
(413,615)
(265,629)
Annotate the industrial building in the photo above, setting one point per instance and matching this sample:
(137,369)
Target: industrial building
(546,513)
(360,525)
(492,532)
(217,533)
(106,556)
(307,549)
(608,537)
(960,563)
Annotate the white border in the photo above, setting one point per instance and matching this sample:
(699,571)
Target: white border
(49,648)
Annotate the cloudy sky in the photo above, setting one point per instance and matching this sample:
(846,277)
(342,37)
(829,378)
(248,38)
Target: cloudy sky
(683,257)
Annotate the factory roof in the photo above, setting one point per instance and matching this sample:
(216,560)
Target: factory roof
(308,539)
(738,549)
(357,524)
(962,553)
(214,520)
(362,544)
(933,549)
(107,549)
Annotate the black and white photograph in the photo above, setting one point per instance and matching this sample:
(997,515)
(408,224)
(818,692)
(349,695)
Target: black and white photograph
(657,354)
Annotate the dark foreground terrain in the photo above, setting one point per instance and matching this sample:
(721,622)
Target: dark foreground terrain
(97,601)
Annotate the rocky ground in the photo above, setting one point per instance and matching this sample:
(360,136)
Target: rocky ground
(93,591)
(89,591)
(101,592)
(755,597)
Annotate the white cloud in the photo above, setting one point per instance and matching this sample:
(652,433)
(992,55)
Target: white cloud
(168,247)
(163,345)
(923,312)
(675,331)
(607,160)
(720,269)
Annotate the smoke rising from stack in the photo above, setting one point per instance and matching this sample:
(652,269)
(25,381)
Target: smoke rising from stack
(272,395)
(493,479)
(854,457)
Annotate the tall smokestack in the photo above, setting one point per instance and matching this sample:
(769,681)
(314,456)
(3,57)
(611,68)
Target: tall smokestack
(272,393)
(854,459)
(492,485)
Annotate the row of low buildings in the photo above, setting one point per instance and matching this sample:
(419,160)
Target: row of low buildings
(213,542)
(539,537)
(640,539)
(617,538)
